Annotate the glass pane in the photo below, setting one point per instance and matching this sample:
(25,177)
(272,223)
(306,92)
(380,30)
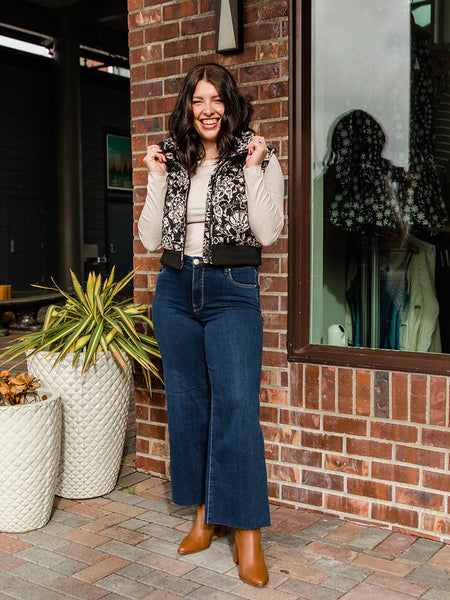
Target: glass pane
(381,174)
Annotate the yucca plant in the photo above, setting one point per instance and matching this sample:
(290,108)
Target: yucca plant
(93,320)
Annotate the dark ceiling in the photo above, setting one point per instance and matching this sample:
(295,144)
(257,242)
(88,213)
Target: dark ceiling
(101,25)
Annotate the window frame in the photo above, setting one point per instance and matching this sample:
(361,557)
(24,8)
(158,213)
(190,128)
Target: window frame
(299,206)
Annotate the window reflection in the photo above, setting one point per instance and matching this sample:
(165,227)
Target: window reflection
(381,173)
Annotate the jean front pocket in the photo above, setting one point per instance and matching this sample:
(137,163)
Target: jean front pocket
(244,277)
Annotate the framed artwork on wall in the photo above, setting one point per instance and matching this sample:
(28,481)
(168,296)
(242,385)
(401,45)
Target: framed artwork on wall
(118,162)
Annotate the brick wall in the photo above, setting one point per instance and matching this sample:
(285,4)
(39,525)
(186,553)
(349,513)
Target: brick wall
(358,444)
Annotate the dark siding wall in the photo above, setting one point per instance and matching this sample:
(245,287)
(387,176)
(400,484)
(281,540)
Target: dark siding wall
(28,160)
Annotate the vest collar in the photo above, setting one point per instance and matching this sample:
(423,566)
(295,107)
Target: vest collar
(168,146)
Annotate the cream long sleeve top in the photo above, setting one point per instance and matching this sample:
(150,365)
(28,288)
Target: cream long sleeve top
(265,193)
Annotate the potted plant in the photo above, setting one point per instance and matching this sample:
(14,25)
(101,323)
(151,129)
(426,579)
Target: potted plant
(84,352)
(30,434)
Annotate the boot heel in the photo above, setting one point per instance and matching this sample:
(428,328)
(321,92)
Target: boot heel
(235,554)
(221,531)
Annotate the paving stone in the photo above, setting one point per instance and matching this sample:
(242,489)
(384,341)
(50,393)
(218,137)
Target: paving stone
(124,586)
(9,561)
(398,584)
(339,583)
(10,545)
(125,509)
(282,539)
(393,567)
(83,553)
(372,592)
(342,569)
(170,583)
(127,536)
(369,538)
(395,544)
(340,554)
(206,593)
(431,575)
(79,589)
(20,589)
(167,508)
(309,591)
(36,574)
(160,546)
(321,528)
(101,569)
(435,594)
(104,522)
(255,593)
(131,479)
(85,538)
(55,528)
(441,558)
(153,516)
(133,524)
(163,533)
(344,534)
(217,558)
(41,556)
(125,497)
(44,540)
(206,577)
(132,553)
(422,550)
(69,566)
(167,564)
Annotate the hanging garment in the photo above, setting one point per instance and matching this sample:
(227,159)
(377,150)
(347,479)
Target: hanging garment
(393,299)
(420,330)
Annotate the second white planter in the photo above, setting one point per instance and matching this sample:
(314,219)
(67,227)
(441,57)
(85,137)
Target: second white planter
(95,412)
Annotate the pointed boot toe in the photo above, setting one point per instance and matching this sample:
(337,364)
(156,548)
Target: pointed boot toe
(249,555)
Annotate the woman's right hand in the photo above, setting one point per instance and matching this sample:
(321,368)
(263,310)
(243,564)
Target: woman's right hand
(155,160)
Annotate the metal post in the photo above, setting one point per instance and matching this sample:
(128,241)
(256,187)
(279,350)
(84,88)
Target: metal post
(69,154)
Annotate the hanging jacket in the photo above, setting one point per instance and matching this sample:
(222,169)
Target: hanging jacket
(228,239)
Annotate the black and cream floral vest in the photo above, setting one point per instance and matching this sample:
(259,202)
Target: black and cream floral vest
(228,239)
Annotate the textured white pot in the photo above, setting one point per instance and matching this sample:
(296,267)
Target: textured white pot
(30,437)
(95,414)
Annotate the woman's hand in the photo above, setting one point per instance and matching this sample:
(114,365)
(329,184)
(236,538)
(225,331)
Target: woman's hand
(257,151)
(155,160)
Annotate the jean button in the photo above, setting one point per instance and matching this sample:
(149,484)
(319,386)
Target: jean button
(196,261)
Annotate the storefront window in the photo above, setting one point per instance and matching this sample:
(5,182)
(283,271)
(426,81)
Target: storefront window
(380,167)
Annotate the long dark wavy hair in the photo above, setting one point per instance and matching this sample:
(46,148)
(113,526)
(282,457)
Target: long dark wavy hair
(236,118)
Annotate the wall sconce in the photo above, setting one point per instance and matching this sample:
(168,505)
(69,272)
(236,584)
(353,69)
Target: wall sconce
(229,26)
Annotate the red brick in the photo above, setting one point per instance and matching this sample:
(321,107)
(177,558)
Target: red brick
(310,420)
(274,129)
(326,481)
(311,374)
(135,38)
(146,54)
(436,437)
(343,504)
(145,90)
(274,490)
(283,473)
(277,89)
(135,5)
(142,446)
(363,447)
(362,392)
(328,384)
(436,523)
(345,391)
(165,68)
(301,457)
(419,498)
(400,396)
(261,31)
(149,431)
(269,303)
(272,452)
(274,359)
(159,106)
(346,464)
(271,10)
(345,425)
(144,17)
(259,73)
(311,439)
(150,464)
(392,431)
(381,394)
(436,481)
(371,489)
(275,321)
(420,456)
(290,417)
(141,413)
(392,514)
(161,32)
(197,25)
(438,401)
(180,10)
(301,495)
(268,414)
(418,398)
(397,473)
(180,47)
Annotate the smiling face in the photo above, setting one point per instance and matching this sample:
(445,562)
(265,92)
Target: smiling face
(208,109)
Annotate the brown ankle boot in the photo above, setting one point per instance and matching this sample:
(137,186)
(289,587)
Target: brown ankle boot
(249,555)
(200,536)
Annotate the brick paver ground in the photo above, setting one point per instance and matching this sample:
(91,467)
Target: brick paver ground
(124,546)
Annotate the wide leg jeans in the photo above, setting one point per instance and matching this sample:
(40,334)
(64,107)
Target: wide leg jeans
(208,325)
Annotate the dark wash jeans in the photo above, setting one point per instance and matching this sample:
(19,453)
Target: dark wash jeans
(208,324)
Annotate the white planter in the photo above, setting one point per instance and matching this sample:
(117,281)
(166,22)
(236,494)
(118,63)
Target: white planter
(30,437)
(95,413)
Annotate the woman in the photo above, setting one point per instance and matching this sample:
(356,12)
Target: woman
(214,198)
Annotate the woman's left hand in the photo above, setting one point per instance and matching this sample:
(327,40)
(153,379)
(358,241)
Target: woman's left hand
(257,151)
